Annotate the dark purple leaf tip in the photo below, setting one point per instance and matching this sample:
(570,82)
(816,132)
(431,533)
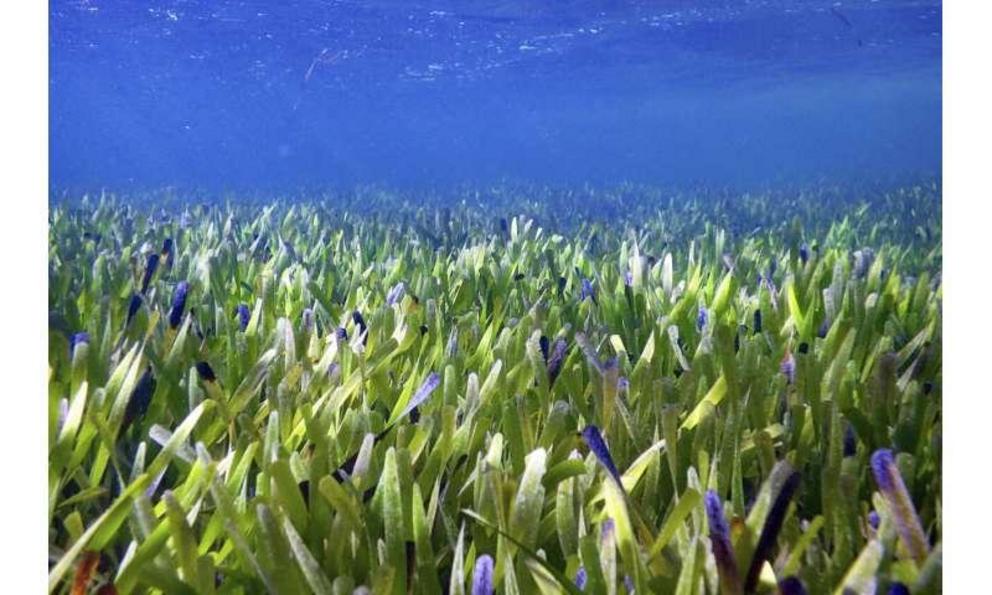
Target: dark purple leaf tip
(587,291)
(430,385)
(205,372)
(873,519)
(580,578)
(482,576)
(702,317)
(78,339)
(132,307)
(244,316)
(714,514)
(791,585)
(788,367)
(178,304)
(395,294)
(883,467)
(594,440)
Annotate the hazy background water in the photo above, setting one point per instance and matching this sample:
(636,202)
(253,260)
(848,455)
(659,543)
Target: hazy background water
(275,96)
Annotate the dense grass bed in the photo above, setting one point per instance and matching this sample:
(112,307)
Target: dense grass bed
(519,389)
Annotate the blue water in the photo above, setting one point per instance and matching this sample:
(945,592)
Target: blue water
(278,96)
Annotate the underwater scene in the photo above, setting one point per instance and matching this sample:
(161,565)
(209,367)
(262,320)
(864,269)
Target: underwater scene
(495,297)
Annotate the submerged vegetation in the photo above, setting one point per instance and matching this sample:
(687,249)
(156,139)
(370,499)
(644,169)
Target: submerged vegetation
(517,390)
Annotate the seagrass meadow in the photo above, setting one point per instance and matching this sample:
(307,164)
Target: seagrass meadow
(514,389)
